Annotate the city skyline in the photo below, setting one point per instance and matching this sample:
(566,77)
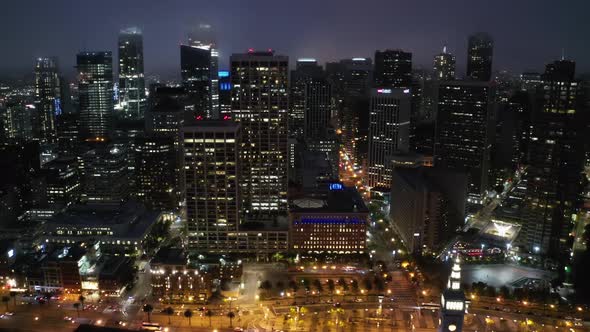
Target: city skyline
(237,28)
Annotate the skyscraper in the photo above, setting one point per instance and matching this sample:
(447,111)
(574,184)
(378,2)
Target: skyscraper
(132,98)
(389,125)
(479,56)
(444,66)
(306,70)
(260,99)
(212,168)
(318,108)
(195,63)
(95,88)
(106,176)
(199,66)
(463,131)
(393,69)
(47,99)
(556,160)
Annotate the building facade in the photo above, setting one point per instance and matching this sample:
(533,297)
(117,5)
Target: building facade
(332,220)
(95,89)
(212,173)
(260,100)
(388,132)
(463,132)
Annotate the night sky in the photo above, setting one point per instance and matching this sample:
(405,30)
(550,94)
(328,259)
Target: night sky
(528,33)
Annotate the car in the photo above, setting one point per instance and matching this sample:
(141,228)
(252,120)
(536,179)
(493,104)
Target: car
(9,313)
(238,329)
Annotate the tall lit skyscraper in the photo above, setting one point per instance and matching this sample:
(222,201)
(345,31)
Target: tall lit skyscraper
(212,169)
(463,131)
(47,99)
(556,161)
(306,70)
(132,98)
(260,99)
(199,65)
(106,175)
(389,129)
(444,66)
(393,69)
(95,89)
(479,56)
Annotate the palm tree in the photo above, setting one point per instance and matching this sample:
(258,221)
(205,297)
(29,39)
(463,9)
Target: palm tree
(169,311)
(331,287)
(231,316)
(81,298)
(188,313)
(13,295)
(6,299)
(148,308)
(77,306)
(209,313)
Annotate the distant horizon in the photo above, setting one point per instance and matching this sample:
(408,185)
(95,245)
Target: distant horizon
(527,34)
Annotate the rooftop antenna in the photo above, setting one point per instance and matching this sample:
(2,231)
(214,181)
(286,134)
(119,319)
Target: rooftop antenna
(562,54)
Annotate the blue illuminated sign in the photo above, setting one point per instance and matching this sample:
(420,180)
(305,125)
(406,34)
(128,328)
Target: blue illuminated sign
(336,186)
(223,73)
(225,86)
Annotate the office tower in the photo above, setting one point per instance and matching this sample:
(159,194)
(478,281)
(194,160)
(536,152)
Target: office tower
(452,302)
(529,81)
(156,177)
(63,183)
(393,69)
(260,99)
(95,89)
(165,119)
(224,93)
(388,133)
(212,170)
(106,175)
(306,70)
(464,127)
(195,63)
(165,115)
(68,133)
(480,52)
(132,98)
(47,99)
(428,205)
(444,66)
(16,119)
(204,38)
(556,160)
(318,108)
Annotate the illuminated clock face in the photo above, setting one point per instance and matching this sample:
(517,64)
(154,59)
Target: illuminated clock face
(452,327)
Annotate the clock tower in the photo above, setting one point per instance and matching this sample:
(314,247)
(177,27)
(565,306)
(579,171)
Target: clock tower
(452,302)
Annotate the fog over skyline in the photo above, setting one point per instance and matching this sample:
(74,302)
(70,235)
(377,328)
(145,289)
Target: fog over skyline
(528,34)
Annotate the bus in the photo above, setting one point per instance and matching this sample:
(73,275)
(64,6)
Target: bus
(145,326)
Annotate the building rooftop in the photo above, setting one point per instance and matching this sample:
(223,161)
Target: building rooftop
(170,256)
(130,220)
(336,198)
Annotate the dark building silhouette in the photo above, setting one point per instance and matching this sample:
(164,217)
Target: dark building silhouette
(480,51)
(393,69)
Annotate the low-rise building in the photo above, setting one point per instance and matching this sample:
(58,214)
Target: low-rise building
(175,279)
(332,220)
